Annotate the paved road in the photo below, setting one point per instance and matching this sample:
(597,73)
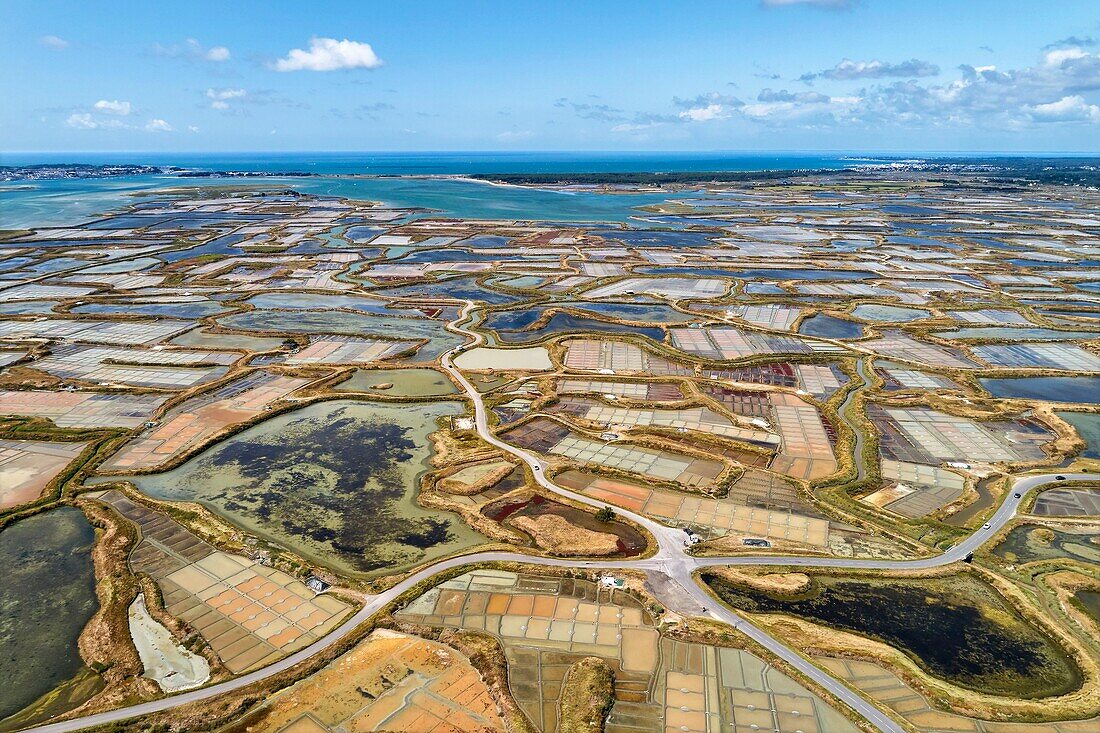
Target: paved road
(669,560)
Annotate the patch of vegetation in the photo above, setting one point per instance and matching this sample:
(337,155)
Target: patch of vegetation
(586,697)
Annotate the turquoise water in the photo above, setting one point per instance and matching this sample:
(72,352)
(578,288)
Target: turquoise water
(67,202)
(474,200)
(1088,425)
(457,163)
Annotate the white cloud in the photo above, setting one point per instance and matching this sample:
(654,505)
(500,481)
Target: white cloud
(194,51)
(89,121)
(226,93)
(1072,108)
(1062,87)
(214,53)
(781,107)
(511,136)
(81,121)
(875,69)
(706,113)
(192,128)
(54,42)
(112,107)
(635,127)
(1059,56)
(708,107)
(111,115)
(220,97)
(328,54)
(1008,99)
(217,53)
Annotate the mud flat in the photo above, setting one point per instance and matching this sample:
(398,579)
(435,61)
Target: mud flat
(533,359)
(335,482)
(166,662)
(48,595)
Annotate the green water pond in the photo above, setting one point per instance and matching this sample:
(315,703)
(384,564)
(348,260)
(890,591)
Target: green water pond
(335,482)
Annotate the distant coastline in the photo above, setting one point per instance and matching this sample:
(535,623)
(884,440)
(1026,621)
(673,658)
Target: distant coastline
(562,170)
(57,171)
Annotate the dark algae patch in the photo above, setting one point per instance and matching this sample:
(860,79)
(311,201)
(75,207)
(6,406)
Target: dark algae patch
(956,628)
(336,482)
(47,595)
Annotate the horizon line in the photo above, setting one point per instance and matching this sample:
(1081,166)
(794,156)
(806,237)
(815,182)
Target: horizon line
(535,151)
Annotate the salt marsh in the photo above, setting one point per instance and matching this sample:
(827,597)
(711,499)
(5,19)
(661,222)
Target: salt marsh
(335,482)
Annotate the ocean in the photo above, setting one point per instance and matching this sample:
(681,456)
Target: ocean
(451,163)
(67,202)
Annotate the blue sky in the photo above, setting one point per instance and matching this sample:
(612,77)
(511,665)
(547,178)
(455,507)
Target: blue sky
(872,75)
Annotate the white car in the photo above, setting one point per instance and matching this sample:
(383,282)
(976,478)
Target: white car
(987,525)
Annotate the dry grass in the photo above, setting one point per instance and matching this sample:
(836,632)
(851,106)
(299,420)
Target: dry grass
(555,534)
(786,584)
(586,697)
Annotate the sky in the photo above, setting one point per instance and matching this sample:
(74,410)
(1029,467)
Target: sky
(748,75)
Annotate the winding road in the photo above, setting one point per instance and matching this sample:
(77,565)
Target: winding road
(669,560)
